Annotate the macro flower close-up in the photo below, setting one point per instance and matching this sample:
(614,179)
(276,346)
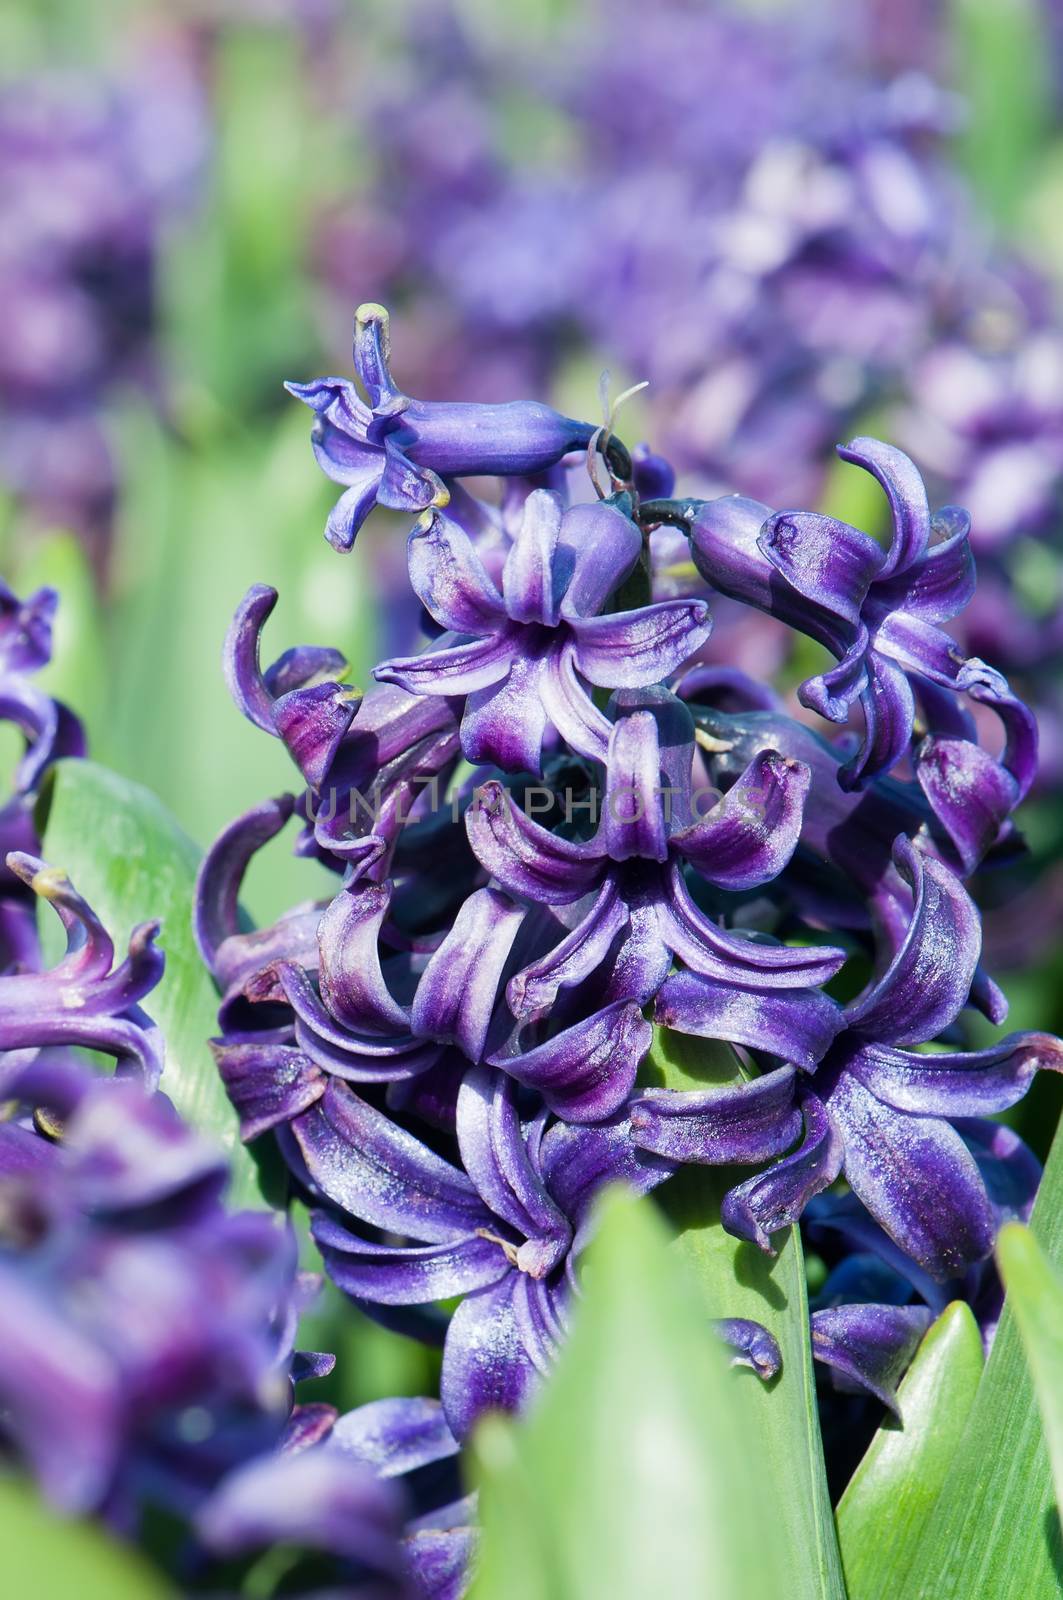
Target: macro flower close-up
(531,1026)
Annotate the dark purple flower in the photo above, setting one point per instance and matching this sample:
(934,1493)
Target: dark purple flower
(875,1109)
(503,1229)
(878,611)
(398,452)
(524,655)
(632,910)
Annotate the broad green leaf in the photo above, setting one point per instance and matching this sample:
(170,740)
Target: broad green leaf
(994,1530)
(55,1558)
(1036,1294)
(130,860)
(633,1474)
(738,1280)
(1004,75)
(884,1513)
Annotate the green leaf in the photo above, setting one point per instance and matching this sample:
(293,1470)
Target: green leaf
(738,1280)
(1035,1291)
(633,1473)
(54,1558)
(130,860)
(885,1510)
(994,1529)
(1004,75)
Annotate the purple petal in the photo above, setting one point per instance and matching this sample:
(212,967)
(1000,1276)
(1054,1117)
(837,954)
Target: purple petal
(916,1177)
(578,1161)
(530,576)
(455,998)
(751,1345)
(61,1398)
(453,669)
(317,1498)
(795,1024)
(377,1171)
(407,1275)
(825,560)
(751,834)
(633,820)
(599,545)
(929,979)
(440,1560)
(496,1156)
(505,722)
(267,1083)
(450,580)
(570,708)
(395,1436)
(970,1083)
(729,957)
(870,1346)
(312,722)
(586,1072)
(889,713)
(222,870)
(832,693)
(736,1122)
(775,1199)
(907,497)
(352,981)
(485,1364)
(577,955)
(939,583)
(525,858)
(970,794)
(632,648)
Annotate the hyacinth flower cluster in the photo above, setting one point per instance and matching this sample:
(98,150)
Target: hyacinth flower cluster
(557,832)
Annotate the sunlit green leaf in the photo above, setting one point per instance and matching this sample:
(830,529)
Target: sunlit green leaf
(50,1557)
(1035,1291)
(738,1280)
(994,1530)
(636,1472)
(885,1510)
(130,860)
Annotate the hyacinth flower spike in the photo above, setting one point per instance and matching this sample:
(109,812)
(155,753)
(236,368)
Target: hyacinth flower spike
(502,1230)
(523,654)
(877,610)
(876,1110)
(632,908)
(392,451)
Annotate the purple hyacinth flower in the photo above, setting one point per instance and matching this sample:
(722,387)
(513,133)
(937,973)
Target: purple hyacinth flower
(366,761)
(315,1499)
(351,1026)
(524,653)
(623,893)
(503,1230)
(85,999)
(398,452)
(869,1347)
(878,611)
(875,1109)
(145,1331)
